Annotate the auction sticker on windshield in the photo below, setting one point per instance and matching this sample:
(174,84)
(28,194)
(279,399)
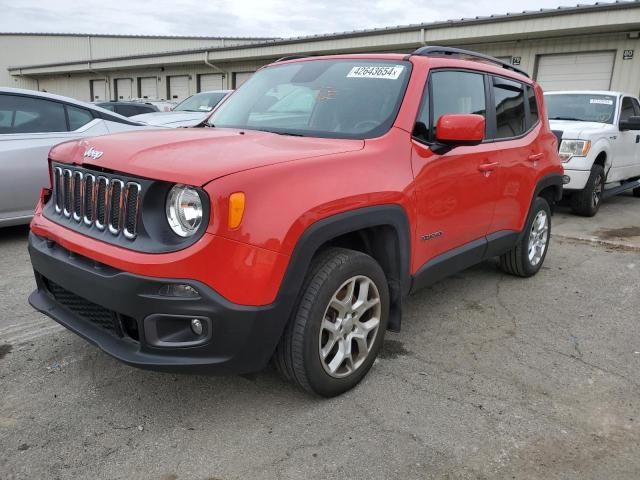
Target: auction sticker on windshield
(601,101)
(391,72)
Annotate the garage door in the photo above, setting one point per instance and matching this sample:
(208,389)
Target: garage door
(241,77)
(577,71)
(99,91)
(124,89)
(178,88)
(148,88)
(210,81)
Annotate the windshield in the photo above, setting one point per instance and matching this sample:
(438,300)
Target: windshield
(319,98)
(581,107)
(201,102)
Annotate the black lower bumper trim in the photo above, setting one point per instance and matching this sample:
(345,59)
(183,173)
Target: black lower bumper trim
(242,338)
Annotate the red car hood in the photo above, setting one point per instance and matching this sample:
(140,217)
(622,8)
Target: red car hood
(194,156)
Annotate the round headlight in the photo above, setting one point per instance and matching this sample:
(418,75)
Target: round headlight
(184,210)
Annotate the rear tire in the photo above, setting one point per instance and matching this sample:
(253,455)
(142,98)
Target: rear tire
(527,257)
(586,202)
(636,192)
(337,329)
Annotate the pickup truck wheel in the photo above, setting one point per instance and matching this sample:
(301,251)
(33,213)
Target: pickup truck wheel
(337,329)
(636,192)
(527,257)
(586,202)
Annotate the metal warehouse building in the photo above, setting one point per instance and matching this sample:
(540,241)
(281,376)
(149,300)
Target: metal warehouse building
(582,47)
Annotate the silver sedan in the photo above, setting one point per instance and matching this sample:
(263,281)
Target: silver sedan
(30,124)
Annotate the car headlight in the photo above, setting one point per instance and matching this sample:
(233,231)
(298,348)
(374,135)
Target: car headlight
(184,210)
(573,148)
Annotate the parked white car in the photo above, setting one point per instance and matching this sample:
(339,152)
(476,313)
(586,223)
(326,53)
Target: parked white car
(188,113)
(30,124)
(599,133)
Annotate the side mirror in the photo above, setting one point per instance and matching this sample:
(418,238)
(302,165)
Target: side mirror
(633,123)
(455,130)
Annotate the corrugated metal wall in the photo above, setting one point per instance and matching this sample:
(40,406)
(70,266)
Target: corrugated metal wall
(526,37)
(50,49)
(626,73)
(77,86)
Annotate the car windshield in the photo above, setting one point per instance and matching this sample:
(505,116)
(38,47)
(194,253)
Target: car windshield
(581,107)
(201,102)
(342,98)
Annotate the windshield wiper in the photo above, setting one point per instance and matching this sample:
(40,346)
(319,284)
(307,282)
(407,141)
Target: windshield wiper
(571,119)
(289,134)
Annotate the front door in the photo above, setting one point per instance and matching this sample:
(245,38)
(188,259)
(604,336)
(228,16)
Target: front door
(456,192)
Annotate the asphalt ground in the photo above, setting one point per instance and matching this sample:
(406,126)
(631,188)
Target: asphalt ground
(491,377)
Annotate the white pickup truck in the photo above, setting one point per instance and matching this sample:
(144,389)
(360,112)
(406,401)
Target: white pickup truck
(599,138)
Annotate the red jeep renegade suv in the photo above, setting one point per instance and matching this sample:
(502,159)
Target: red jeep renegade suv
(292,223)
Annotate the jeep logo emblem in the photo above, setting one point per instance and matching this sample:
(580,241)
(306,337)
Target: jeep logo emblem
(92,153)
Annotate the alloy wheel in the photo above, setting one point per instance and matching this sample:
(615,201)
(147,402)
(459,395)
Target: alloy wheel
(538,237)
(597,192)
(349,326)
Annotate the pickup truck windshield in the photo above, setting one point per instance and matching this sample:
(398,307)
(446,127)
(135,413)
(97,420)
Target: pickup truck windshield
(581,107)
(319,98)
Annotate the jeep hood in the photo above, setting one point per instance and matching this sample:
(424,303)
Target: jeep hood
(194,156)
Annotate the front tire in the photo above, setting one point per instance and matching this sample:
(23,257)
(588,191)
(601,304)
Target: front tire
(586,202)
(339,324)
(527,257)
(636,192)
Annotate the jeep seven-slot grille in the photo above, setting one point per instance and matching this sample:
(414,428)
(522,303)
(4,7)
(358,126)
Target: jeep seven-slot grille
(106,202)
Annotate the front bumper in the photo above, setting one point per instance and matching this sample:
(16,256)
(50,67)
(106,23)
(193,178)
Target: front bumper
(125,315)
(578,179)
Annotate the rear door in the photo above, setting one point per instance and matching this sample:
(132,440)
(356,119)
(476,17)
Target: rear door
(517,149)
(455,199)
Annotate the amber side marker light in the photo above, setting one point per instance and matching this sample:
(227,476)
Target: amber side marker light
(236,209)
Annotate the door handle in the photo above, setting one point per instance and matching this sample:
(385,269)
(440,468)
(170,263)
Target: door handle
(536,157)
(488,167)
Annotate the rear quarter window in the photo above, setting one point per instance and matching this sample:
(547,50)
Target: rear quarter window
(78,117)
(511,117)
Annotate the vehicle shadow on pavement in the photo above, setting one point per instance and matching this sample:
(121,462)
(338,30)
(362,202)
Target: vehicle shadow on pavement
(13,234)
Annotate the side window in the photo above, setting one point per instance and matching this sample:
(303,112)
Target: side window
(636,106)
(20,114)
(511,119)
(78,117)
(129,110)
(451,92)
(627,110)
(533,106)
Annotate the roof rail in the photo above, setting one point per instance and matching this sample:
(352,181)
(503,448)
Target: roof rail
(290,57)
(432,51)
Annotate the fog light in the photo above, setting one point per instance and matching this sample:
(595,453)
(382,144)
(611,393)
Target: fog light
(178,290)
(566,179)
(196,326)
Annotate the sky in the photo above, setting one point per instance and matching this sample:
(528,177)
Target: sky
(253,18)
